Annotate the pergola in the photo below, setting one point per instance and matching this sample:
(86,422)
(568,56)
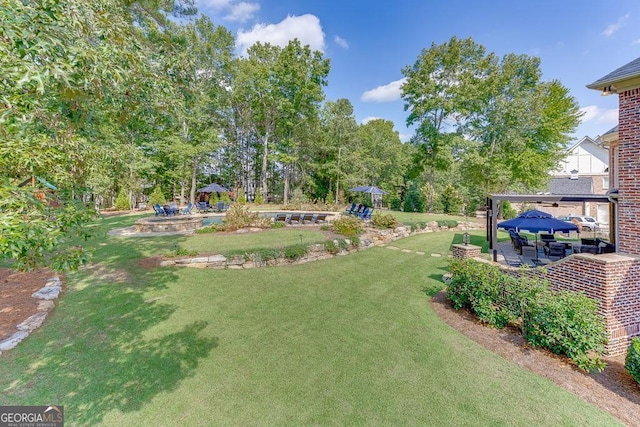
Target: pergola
(493,200)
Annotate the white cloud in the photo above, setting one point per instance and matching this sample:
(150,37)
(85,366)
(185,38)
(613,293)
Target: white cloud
(213,4)
(599,115)
(242,11)
(368,119)
(404,137)
(386,93)
(611,29)
(305,28)
(635,42)
(341,42)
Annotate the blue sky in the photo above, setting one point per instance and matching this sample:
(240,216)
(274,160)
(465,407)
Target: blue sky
(369,42)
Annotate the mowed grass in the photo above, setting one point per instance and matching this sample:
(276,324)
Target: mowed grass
(347,341)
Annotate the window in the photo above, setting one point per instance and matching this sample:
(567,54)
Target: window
(605,182)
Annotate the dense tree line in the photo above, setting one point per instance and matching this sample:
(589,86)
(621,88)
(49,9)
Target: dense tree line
(116,98)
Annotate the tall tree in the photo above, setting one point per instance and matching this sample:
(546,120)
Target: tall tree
(439,95)
(520,131)
(281,88)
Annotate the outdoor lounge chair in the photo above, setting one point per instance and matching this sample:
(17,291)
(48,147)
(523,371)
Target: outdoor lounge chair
(187,210)
(367,214)
(294,217)
(280,217)
(321,217)
(159,209)
(307,217)
(351,210)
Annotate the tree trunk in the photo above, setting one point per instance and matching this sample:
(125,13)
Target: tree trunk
(194,169)
(286,184)
(431,180)
(263,176)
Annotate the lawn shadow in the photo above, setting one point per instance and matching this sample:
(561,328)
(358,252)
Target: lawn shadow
(107,346)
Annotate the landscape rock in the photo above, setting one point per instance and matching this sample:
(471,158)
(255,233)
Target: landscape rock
(32,322)
(13,340)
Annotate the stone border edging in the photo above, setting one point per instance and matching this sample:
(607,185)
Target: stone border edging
(47,294)
(372,237)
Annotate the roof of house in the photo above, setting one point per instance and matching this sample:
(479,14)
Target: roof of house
(611,131)
(627,71)
(582,185)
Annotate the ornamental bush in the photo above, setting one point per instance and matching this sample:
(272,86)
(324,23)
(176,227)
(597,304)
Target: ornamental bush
(384,221)
(632,362)
(157,197)
(349,226)
(122,202)
(565,322)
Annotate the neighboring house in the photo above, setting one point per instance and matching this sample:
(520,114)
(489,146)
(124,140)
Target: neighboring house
(585,170)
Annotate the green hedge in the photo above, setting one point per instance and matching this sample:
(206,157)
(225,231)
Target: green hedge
(564,322)
(632,362)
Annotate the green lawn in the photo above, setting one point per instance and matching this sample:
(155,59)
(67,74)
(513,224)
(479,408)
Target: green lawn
(347,341)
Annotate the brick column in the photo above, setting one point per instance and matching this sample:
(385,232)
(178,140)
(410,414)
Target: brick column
(466,251)
(629,172)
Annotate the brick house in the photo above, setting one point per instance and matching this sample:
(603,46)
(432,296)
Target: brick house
(613,279)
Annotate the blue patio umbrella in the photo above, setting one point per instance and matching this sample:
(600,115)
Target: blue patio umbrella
(213,188)
(536,222)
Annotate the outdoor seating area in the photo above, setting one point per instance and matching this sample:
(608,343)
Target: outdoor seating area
(204,207)
(301,218)
(362,211)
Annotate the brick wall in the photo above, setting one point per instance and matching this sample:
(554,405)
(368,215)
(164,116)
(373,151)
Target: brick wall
(628,169)
(611,279)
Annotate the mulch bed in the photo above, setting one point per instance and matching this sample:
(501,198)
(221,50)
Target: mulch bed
(613,389)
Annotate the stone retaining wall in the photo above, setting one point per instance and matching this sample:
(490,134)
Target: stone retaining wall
(370,238)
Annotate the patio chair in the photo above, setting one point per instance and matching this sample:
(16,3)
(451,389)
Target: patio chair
(280,217)
(220,207)
(307,217)
(202,207)
(321,217)
(556,251)
(351,210)
(159,209)
(294,217)
(367,214)
(171,209)
(187,210)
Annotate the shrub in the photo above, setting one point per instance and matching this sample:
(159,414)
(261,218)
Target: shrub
(295,252)
(278,224)
(122,201)
(564,322)
(213,199)
(395,203)
(632,362)
(507,211)
(238,216)
(349,226)
(331,247)
(242,198)
(259,198)
(449,223)
(414,200)
(450,200)
(567,323)
(263,254)
(157,197)
(384,221)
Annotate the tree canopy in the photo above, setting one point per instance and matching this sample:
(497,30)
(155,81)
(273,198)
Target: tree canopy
(116,99)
